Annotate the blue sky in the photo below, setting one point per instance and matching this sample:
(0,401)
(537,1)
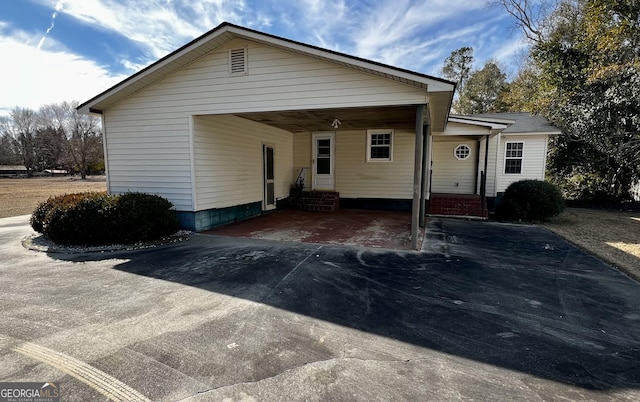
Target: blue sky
(56,50)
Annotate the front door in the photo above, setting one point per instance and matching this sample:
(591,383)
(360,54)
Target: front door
(269,199)
(323,161)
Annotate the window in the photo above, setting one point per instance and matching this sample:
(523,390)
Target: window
(379,145)
(238,61)
(462,152)
(513,157)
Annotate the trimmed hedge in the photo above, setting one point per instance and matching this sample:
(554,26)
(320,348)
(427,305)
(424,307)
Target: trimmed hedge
(95,219)
(530,200)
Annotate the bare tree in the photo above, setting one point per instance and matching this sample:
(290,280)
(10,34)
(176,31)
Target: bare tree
(531,16)
(82,134)
(21,126)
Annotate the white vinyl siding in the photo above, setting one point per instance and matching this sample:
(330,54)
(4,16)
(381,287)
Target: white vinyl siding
(228,160)
(150,156)
(451,175)
(148,140)
(533,159)
(278,80)
(355,178)
(302,157)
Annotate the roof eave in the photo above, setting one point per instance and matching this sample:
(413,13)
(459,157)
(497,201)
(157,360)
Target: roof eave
(432,84)
(482,123)
(535,133)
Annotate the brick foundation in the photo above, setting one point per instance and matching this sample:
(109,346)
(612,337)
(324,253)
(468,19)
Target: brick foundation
(457,205)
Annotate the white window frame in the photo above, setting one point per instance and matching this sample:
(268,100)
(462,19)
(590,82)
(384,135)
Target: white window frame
(506,148)
(455,152)
(370,134)
(245,69)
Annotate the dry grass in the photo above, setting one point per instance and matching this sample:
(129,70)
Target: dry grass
(22,196)
(613,236)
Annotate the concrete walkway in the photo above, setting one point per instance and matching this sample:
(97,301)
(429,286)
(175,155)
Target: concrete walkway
(485,312)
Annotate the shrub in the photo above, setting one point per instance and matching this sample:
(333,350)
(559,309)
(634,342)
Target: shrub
(145,216)
(99,219)
(90,220)
(530,200)
(39,216)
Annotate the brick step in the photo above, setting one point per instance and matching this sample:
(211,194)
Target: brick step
(314,200)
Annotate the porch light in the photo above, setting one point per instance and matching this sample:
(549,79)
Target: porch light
(335,124)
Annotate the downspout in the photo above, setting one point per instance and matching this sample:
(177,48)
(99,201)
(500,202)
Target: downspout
(423,184)
(430,167)
(477,170)
(417,177)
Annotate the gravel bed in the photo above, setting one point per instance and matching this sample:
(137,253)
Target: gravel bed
(38,242)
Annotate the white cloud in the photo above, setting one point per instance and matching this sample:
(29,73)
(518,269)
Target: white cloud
(160,26)
(32,77)
(412,34)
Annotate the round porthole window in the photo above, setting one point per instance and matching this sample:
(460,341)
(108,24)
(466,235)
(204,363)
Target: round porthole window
(462,152)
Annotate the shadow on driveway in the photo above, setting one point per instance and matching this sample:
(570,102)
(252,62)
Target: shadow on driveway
(512,296)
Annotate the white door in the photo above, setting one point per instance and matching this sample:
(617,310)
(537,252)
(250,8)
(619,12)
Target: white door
(269,199)
(323,161)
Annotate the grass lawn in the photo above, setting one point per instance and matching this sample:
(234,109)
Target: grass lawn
(22,196)
(613,236)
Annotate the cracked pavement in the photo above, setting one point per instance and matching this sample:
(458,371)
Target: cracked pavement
(484,312)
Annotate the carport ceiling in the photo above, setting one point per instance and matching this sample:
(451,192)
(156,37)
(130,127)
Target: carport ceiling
(350,119)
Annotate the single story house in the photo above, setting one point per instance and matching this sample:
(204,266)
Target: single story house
(508,147)
(228,124)
(13,170)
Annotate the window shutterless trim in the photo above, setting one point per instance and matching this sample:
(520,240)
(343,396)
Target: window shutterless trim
(376,140)
(464,154)
(510,157)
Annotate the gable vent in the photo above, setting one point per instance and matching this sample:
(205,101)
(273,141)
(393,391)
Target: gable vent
(238,61)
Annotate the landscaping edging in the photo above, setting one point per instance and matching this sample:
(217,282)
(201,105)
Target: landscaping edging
(38,242)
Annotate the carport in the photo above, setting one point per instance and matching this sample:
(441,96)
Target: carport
(356,227)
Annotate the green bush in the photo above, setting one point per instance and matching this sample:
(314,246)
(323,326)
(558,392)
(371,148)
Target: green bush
(95,219)
(91,220)
(39,216)
(530,200)
(145,216)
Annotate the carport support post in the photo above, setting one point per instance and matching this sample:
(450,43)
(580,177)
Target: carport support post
(417,178)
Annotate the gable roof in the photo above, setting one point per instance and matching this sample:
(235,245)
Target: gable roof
(522,122)
(226,32)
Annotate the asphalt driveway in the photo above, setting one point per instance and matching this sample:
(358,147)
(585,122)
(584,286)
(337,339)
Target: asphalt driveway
(485,312)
